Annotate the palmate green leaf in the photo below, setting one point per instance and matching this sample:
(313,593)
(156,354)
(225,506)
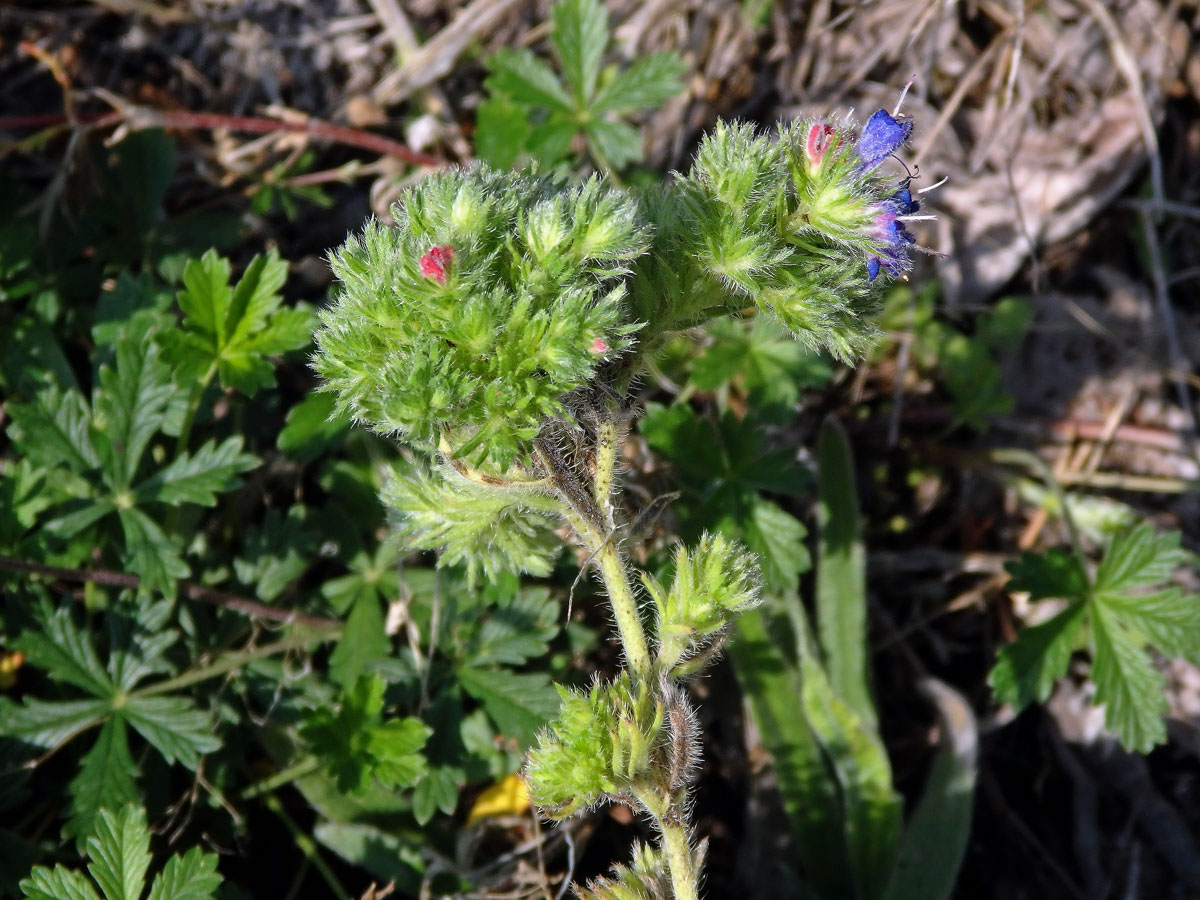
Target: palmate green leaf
(396,746)
(649,81)
(173,726)
(778,538)
(525,79)
(1138,558)
(519,703)
(1054,573)
(192,876)
(104,781)
(501,130)
(233,328)
(1133,691)
(120,853)
(437,790)
(579,36)
(198,477)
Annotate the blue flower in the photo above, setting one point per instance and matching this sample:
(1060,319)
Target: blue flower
(887,228)
(881,137)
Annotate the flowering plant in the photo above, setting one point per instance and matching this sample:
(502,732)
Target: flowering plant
(498,326)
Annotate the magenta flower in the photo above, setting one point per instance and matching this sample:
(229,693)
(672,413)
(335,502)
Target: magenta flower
(435,263)
(881,137)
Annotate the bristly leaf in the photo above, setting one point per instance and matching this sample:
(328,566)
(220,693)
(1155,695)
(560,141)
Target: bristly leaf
(234,329)
(649,81)
(579,36)
(522,78)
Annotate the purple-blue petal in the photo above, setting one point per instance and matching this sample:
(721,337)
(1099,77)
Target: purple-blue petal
(872,269)
(881,137)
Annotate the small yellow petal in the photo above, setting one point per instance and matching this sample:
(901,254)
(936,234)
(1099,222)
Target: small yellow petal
(507,796)
(9,663)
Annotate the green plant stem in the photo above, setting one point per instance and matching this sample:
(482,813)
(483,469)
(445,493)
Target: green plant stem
(679,860)
(305,767)
(232,661)
(307,846)
(193,407)
(608,437)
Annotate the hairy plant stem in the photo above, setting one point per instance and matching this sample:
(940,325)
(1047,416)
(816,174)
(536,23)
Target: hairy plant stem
(680,862)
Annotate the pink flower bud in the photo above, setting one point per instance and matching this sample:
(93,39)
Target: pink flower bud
(598,346)
(436,261)
(820,138)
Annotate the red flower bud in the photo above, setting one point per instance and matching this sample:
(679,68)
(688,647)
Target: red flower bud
(436,261)
(820,138)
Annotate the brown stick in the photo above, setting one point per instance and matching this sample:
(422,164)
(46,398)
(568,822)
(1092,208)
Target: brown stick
(191,591)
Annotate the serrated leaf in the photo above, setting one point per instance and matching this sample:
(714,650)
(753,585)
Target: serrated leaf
(58,883)
(192,876)
(519,703)
(363,640)
(104,781)
(613,143)
(501,129)
(48,724)
(525,79)
(1026,669)
(1138,558)
(174,726)
(437,790)
(233,329)
(65,650)
(1132,691)
(54,429)
(579,35)
(395,745)
(778,539)
(198,477)
(311,426)
(153,556)
(386,855)
(120,853)
(130,405)
(648,82)
(1054,573)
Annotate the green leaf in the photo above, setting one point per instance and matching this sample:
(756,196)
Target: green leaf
(57,884)
(130,406)
(104,781)
(501,129)
(1131,689)
(386,855)
(550,142)
(174,726)
(437,790)
(614,144)
(277,552)
(648,82)
(198,478)
(363,640)
(527,80)
(152,555)
(1138,558)
(65,650)
(1054,573)
(48,724)
(120,853)
(396,746)
(841,584)
(778,539)
(518,703)
(807,783)
(232,329)
(54,429)
(192,876)
(579,35)
(935,838)
(311,427)
(1026,669)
